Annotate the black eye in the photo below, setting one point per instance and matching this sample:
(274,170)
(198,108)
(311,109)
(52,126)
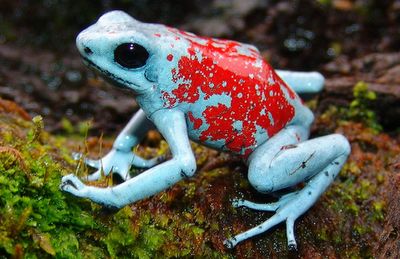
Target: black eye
(131,55)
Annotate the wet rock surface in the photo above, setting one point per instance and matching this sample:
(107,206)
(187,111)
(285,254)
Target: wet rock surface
(59,87)
(381,72)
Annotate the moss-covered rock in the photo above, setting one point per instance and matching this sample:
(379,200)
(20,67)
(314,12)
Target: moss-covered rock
(194,216)
(37,219)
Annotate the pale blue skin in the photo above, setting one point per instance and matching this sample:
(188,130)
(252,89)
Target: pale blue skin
(282,161)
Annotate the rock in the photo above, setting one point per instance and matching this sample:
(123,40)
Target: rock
(381,71)
(59,87)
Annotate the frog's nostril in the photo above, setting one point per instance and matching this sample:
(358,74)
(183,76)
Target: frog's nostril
(88,51)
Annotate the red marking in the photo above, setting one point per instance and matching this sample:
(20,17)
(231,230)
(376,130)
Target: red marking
(157,35)
(292,94)
(170,57)
(223,70)
(168,100)
(288,147)
(196,121)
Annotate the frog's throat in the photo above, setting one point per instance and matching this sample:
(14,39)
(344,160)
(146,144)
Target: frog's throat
(115,80)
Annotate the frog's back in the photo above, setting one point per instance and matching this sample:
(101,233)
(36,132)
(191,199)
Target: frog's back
(233,99)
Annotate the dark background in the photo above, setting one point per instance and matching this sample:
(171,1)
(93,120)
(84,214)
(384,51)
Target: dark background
(41,70)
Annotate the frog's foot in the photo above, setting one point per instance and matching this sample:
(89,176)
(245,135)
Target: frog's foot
(70,183)
(287,209)
(116,162)
(316,161)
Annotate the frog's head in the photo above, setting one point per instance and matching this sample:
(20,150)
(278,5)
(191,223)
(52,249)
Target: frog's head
(122,49)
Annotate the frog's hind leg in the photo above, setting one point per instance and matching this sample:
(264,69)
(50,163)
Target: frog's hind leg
(303,83)
(280,163)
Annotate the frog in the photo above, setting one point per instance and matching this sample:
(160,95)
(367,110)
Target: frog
(220,93)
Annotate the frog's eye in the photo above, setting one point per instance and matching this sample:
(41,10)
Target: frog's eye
(131,55)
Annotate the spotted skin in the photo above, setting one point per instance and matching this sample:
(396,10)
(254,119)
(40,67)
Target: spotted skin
(220,93)
(259,103)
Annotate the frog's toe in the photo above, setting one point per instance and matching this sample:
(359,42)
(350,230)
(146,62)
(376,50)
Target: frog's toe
(255,206)
(236,203)
(94,176)
(230,243)
(263,227)
(73,181)
(77,155)
(291,239)
(292,246)
(69,187)
(95,163)
(123,172)
(92,163)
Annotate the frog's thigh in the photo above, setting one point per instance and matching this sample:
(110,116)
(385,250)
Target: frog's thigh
(271,169)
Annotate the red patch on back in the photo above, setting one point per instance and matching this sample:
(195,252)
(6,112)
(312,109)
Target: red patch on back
(196,121)
(222,70)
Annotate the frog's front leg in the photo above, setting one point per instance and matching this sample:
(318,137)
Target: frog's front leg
(121,158)
(283,162)
(172,125)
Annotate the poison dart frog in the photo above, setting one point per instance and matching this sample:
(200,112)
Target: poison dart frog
(219,93)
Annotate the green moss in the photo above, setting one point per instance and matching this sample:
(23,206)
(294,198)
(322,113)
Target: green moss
(365,190)
(325,2)
(361,229)
(38,220)
(67,126)
(359,109)
(34,213)
(37,129)
(81,129)
(342,195)
(84,127)
(378,210)
(323,234)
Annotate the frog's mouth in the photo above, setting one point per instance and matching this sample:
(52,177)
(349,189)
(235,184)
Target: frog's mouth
(115,80)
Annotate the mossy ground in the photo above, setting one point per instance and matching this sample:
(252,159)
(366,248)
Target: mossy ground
(37,219)
(193,217)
